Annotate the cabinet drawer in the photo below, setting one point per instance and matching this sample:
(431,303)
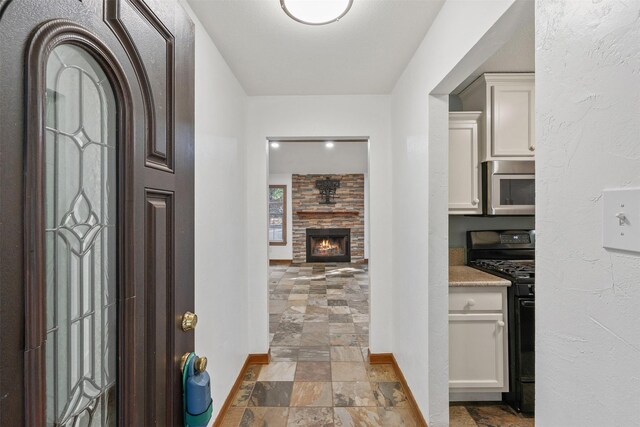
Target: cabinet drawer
(475,300)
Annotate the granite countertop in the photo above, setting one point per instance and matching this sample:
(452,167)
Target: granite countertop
(461,275)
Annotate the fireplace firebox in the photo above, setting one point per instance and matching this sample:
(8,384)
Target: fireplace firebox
(328,245)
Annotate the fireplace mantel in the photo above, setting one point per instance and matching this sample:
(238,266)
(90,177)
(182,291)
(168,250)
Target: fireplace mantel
(323,214)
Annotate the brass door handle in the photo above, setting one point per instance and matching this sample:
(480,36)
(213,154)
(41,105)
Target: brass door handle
(189,321)
(199,364)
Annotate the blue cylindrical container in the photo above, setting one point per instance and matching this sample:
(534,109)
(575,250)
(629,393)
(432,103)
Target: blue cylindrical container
(198,406)
(198,393)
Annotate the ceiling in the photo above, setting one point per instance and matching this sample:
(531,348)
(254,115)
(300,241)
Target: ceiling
(271,54)
(313,157)
(516,56)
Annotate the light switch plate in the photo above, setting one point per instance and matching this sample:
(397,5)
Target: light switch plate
(621,219)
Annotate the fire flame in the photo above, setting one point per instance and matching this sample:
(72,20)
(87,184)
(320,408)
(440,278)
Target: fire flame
(325,247)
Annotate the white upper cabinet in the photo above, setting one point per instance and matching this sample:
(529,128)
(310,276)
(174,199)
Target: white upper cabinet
(464,166)
(508,100)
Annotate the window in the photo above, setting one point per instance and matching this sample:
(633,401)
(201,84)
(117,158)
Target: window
(277,215)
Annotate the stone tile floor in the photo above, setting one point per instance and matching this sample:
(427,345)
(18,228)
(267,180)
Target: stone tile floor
(487,415)
(319,374)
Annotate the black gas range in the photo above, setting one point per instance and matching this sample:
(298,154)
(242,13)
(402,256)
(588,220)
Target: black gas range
(511,255)
(521,272)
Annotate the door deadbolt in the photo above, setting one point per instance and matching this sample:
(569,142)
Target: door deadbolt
(189,321)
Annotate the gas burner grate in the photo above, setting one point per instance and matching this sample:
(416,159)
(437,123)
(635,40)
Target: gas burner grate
(514,268)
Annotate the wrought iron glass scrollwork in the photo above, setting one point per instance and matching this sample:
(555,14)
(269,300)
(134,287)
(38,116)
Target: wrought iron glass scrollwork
(81,240)
(328,188)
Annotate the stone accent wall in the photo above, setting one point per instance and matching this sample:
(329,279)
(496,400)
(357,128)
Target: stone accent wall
(349,197)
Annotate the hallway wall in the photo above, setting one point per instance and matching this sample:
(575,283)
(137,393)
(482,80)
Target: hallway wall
(419,117)
(587,127)
(320,116)
(220,250)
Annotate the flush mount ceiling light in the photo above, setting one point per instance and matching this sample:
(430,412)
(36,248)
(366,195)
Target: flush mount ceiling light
(316,12)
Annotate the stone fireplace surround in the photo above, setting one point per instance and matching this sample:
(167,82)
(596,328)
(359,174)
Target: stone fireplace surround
(308,213)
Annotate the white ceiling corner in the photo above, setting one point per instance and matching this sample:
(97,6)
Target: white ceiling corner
(517,55)
(271,54)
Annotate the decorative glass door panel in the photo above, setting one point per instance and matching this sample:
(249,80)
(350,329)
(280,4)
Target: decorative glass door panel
(81,241)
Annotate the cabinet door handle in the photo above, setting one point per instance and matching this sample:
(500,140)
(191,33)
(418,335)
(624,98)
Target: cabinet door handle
(532,148)
(471,302)
(501,323)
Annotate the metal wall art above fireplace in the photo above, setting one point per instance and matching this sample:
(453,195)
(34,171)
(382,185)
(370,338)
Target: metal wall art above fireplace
(328,188)
(328,245)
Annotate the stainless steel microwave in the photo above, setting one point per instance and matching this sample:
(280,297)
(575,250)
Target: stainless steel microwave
(509,187)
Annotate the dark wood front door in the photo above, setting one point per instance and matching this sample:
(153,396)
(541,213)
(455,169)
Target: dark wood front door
(96,211)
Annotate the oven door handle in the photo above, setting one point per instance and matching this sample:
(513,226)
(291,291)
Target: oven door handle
(527,304)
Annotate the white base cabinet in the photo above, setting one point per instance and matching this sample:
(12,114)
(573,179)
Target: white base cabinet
(478,349)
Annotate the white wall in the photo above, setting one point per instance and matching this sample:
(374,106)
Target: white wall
(220,216)
(588,139)
(463,36)
(283,252)
(306,157)
(319,116)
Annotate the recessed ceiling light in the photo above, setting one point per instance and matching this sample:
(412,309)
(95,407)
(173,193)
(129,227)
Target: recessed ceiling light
(275,145)
(316,12)
(329,144)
